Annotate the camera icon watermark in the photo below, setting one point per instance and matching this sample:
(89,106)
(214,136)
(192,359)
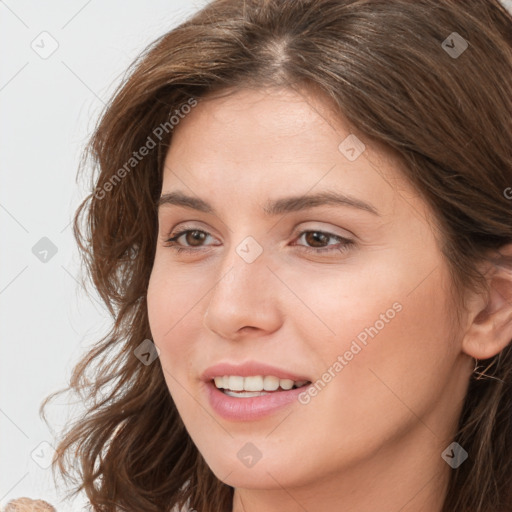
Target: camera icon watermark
(454,455)
(351,147)
(454,45)
(249,455)
(45,45)
(147,352)
(249,249)
(44,250)
(43,454)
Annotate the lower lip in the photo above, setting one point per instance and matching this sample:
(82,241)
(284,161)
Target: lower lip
(253,408)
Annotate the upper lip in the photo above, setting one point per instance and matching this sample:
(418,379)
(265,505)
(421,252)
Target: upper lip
(248,369)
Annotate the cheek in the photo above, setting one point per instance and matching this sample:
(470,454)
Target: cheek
(173,297)
(378,339)
(403,368)
(175,300)
(164,313)
(170,303)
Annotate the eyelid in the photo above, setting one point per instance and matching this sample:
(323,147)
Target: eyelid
(346,243)
(295,232)
(187,227)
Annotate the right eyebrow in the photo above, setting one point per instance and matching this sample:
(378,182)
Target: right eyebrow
(275,206)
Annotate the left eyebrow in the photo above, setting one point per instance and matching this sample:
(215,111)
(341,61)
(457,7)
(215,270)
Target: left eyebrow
(275,206)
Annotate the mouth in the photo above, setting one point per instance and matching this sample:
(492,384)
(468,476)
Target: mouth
(255,385)
(252,390)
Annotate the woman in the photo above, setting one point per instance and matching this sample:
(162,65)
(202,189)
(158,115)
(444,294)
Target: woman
(302,226)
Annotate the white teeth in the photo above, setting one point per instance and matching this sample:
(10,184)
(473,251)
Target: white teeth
(236,383)
(244,394)
(286,383)
(254,385)
(270,383)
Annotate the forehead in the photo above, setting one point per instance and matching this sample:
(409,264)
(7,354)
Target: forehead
(276,141)
(245,118)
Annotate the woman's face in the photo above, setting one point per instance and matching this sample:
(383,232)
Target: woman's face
(352,296)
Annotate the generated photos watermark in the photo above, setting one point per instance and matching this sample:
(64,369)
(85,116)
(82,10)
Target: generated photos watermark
(137,156)
(355,348)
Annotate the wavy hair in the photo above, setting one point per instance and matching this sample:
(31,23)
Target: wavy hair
(447,117)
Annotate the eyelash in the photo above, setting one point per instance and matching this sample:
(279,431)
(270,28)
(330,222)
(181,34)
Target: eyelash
(347,243)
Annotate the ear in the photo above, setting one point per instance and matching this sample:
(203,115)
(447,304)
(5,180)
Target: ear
(490,313)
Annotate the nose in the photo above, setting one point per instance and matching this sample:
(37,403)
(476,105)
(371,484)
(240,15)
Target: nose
(244,299)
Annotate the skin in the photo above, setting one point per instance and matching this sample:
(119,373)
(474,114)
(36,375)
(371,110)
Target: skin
(376,431)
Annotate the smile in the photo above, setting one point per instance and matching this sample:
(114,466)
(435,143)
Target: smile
(255,385)
(242,405)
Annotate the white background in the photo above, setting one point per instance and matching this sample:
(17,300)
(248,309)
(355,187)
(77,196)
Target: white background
(48,110)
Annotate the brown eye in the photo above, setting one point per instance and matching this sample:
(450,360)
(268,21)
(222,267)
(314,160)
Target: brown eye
(316,237)
(317,242)
(195,237)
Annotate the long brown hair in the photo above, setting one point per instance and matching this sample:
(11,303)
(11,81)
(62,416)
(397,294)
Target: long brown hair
(384,64)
